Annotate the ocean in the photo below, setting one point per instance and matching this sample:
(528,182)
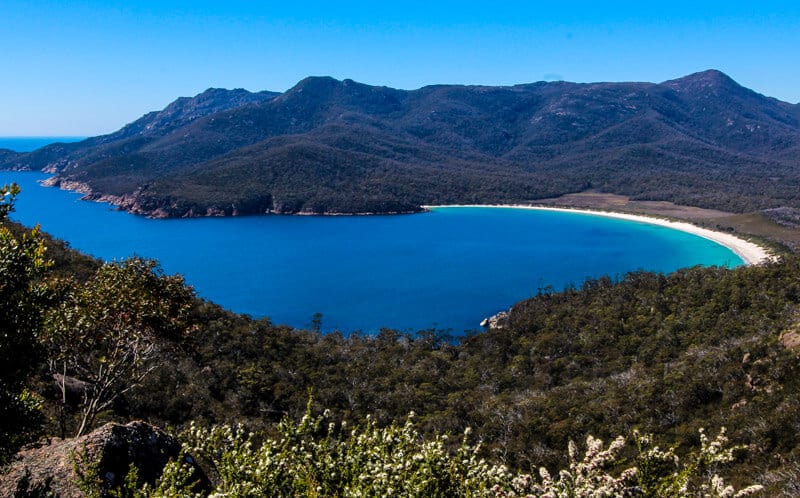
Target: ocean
(28,144)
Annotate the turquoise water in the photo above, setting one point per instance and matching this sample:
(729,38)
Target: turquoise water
(448,269)
(27,144)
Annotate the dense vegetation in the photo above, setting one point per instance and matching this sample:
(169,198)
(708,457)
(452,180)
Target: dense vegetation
(311,458)
(340,146)
(21,261)
(662,354)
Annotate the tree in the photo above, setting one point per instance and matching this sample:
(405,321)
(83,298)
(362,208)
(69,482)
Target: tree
(104,335)
(22,261)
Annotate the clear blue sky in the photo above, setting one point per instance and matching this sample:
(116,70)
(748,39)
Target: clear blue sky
(89,67)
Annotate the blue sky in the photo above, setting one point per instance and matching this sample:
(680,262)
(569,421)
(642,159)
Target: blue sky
(86,67)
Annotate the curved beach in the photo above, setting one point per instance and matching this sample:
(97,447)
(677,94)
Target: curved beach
(751,253)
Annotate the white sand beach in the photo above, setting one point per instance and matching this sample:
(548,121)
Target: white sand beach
(751,254)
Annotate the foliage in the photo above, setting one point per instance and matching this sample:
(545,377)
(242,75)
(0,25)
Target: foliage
(87,474)
(22,261)
(7,195)
(660,473)
(667,354)
(311,460)
(315,458)
(105,332)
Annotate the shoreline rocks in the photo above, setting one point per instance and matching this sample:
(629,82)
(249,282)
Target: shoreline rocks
(496,322)
(153,207)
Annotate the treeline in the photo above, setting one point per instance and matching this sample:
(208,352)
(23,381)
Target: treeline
(664,354)
(357,171)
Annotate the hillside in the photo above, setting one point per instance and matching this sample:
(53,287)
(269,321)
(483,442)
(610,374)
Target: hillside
(340,146)
(134,136)
(668,355)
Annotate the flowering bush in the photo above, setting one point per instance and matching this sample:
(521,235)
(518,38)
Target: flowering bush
(307,459)
(312,458)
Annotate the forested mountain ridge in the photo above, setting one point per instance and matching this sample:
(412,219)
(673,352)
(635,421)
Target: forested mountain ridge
(135,135)
(340,146)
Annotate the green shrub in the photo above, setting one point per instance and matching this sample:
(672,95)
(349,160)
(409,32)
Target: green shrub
(315,458)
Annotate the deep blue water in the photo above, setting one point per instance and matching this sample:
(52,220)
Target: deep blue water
(449,268)
(27,144)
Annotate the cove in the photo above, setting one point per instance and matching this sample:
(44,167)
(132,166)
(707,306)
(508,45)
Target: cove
(446,269)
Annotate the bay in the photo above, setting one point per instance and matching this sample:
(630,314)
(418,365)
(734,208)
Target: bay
(446,269)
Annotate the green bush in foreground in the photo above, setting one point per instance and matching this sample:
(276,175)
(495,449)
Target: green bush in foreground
(311,458)
(22,261)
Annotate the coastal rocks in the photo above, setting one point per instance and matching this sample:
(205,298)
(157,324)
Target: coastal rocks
(56,181)
(113,448)
(145,201)
(498,321)
(135,203)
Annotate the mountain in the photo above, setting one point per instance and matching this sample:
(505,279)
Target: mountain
(136,135)
(341,146)
(7,155)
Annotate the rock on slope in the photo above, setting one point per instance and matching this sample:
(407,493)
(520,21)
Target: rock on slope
(114,447)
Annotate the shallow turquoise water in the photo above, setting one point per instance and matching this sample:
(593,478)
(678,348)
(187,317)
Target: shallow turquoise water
(448,269)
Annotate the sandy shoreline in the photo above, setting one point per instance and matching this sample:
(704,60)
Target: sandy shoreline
(751,254)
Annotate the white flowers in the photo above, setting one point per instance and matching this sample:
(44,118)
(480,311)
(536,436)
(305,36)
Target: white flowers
(315,459)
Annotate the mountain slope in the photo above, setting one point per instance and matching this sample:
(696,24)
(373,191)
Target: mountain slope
(340,146)
(136,135)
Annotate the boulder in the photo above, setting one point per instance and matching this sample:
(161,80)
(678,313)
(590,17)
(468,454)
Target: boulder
(113,448)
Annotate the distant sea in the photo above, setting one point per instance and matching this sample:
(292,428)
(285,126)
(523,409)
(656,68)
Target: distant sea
(27,144)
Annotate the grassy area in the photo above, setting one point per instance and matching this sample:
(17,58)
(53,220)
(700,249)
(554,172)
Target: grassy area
(749,225)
